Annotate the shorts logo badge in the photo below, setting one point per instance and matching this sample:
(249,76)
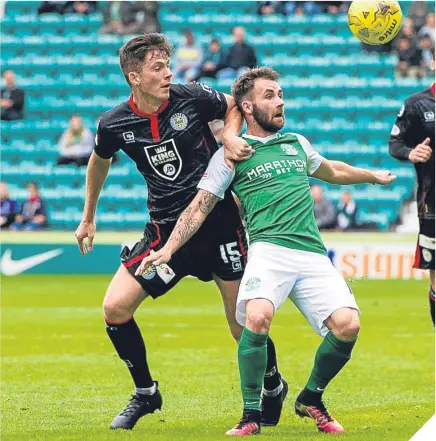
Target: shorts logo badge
(252,284)
(426,254)
(179,121)
(149,273)
(289,149)
(165,159)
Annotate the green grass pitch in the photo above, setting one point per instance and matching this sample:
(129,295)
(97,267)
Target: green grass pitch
(62,380)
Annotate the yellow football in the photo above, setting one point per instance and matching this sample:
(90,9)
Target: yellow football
(375,22)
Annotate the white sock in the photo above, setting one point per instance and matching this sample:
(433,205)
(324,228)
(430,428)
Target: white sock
(275,392)
(146,390)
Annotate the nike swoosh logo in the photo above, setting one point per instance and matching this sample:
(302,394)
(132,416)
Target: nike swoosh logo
(319,389)
(10,267)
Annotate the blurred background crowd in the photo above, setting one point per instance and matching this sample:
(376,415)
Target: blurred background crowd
(49,112)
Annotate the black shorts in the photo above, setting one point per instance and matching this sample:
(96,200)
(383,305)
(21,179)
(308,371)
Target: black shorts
(214,249)
(425,248)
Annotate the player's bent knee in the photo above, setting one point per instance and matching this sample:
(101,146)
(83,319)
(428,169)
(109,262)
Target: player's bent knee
(116,312)
(345,323)
(259,322)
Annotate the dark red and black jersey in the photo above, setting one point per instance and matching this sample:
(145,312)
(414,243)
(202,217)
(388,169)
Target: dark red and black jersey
(171,148)
(416,122)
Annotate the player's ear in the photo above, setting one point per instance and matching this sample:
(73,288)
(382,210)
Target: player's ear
(247,107)
(134,79)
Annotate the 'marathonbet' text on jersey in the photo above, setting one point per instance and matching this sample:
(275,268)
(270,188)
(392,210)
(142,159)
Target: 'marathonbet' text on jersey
(274,190)
(171,148)
(415,123)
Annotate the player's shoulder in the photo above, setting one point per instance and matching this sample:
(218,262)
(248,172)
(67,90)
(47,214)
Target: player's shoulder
(294,137)
(188,91)
(419,96)
(112,117)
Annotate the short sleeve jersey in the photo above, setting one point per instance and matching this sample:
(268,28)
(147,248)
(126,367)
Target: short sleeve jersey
(274,190)
(171,148)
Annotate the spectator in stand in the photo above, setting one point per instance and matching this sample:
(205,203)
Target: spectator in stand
(8,207)
(130,17)
(240,57)
(57,7)
(425,46)
(335,8)
(268,8)
(408,31)
(428,28)
(417,12)
(76,144)
(81,7)
(187,59)
(324,210)
(12,98)
(33,215)
(409,59)
(347,212)
(214,60)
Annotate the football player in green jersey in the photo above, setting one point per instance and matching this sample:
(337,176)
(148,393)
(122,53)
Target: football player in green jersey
(286,255)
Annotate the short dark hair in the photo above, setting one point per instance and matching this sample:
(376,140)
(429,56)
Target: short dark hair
(245,83)
(133,53)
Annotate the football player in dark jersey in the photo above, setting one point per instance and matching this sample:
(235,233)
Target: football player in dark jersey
(412,139)
(164,129)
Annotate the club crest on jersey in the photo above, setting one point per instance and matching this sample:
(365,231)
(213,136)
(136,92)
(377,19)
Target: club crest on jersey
(165,159)
(179,121)
(289,149)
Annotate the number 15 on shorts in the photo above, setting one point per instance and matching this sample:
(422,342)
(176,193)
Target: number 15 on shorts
(231,254)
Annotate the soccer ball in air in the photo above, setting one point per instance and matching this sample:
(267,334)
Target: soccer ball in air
(375,22)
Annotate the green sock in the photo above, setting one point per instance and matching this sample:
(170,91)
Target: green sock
(252,358)
(331,356)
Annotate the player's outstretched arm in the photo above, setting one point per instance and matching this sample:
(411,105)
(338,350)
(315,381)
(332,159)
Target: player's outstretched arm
(187,225)
(96,174)
(336,172)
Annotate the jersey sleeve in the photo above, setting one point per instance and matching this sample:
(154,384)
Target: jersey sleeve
(402,133)
(218,175)
(210,103)
(314,159)
(104,146)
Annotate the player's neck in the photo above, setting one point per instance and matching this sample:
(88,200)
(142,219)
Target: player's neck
(258,132)
(146,103)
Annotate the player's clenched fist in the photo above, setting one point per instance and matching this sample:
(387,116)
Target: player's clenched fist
(85,230)
(383,177)
(155,258)
(237,149)
(422,152)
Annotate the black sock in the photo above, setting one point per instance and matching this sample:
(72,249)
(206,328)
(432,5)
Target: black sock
(128,342)
(431,298)
(272,378)
(309,398)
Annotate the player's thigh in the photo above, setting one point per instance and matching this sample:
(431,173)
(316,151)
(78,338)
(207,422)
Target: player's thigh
(270,274)
(123,296)
(425,248)
(155,280)
(229,293)
(228,252)
(320,291)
